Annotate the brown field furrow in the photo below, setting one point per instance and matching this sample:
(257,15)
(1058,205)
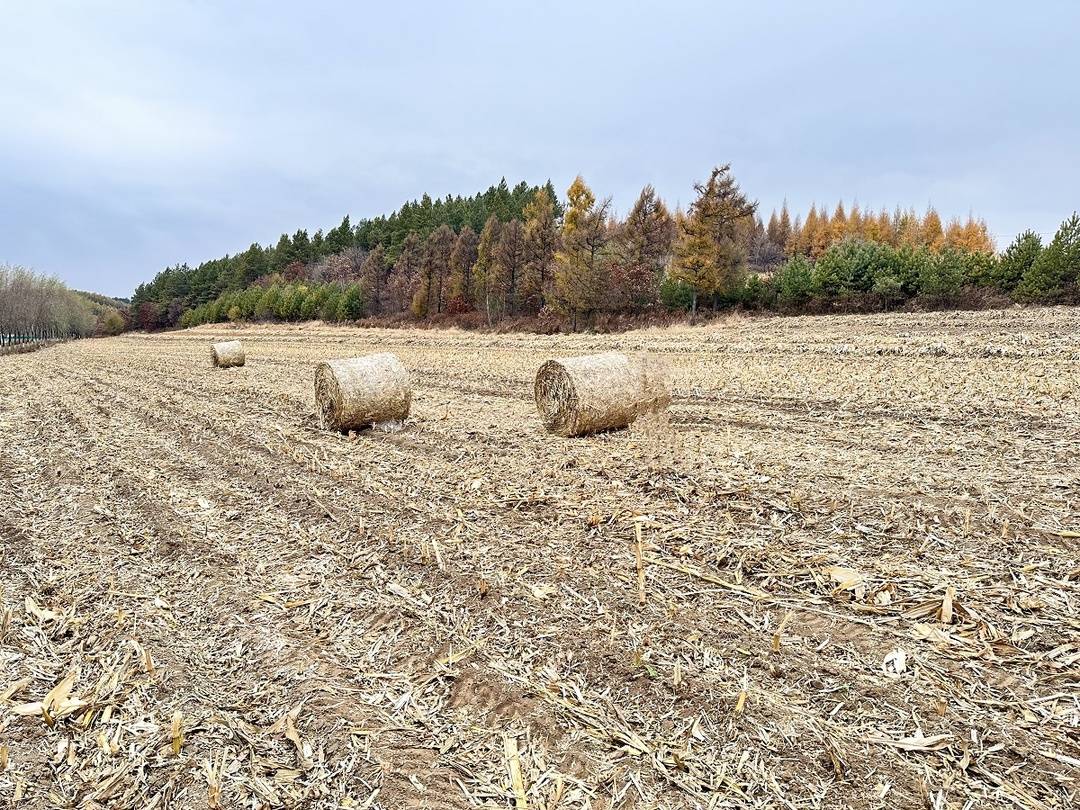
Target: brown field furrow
(823,493)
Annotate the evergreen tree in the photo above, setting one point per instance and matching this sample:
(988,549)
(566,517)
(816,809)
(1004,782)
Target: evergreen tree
(301,245)
(328,312)
(541,243)
(582,263)
(794,283)
(854,223)
(435,269)
(504,279)
(462,259)
(266,309)
(644,248)
(708,256)
(1017,260)
(783,231)
(932,234)
(373,279)
(1056,268)
(481,270)
(351,305)
(971,236)
(696,260)
(313,301)
(772,230)
(339,238)
(838,225)
(283,254)
(908,228)
(401,285)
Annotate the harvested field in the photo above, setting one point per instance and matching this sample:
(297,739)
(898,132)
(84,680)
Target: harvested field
(841,570)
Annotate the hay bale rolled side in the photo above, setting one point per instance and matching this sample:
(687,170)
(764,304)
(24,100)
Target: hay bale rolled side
(227,354)
(580,395)
(361,391)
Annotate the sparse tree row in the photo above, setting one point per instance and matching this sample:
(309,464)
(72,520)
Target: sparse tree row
(574,265)
(819,231)
(35,308)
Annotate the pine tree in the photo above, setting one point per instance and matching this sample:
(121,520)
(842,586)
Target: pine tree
(301,245)
(351,306)
(695,261)
(772,230)
(908,228)
(1056,268)
(838,225)
(401,285)
(249,266)
(339,238)
(328,312)
(266,309)
(855,222)
(1017,260)
(504,279)
(373,279)
(971,236)
(283,254)
(809,236)
(481,270)
(644,247)
(708,256)
(462,259)
(931,232)
(783,233)
(884,230)
(582,262)
(794,244)
(541,242)
(434,269)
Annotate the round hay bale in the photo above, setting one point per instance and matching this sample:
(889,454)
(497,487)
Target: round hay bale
(579,395)
(360,391)
(228,353)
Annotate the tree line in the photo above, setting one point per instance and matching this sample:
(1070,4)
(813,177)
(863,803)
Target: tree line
(35,308)
(335,254)
(524,253)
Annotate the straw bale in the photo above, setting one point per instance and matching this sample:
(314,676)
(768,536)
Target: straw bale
(580,395)
(227,354)
(360,391)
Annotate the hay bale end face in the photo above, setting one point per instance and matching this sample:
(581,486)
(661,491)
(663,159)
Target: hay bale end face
(580,395)
(361,391)
(227,354)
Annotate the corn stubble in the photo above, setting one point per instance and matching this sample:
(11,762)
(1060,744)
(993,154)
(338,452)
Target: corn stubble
(840,569)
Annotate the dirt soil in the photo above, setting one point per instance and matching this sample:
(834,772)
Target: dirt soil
(842,571)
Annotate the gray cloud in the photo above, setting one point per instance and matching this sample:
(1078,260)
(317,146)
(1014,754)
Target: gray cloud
(138,135)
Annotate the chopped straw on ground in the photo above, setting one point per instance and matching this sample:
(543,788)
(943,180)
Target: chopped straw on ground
(227,354)
(580,395)
(362,391)
(842,570)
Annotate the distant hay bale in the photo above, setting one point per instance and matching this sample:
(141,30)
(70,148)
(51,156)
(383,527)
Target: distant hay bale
(579,395)
(361,391)
(228,353)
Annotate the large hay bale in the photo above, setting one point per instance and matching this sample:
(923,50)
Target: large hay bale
(579,395)
(360,391)
(228,353)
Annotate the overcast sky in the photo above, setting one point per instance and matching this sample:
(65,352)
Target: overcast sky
(139,134)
